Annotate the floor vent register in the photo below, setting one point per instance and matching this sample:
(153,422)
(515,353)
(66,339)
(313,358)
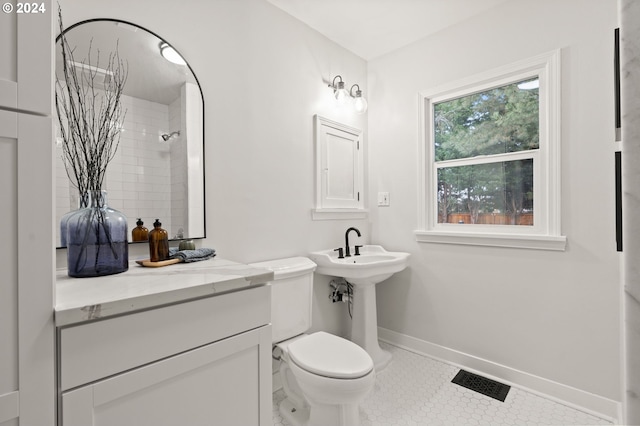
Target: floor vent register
(482,385)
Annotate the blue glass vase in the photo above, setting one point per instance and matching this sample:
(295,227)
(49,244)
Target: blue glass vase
(83,201)
(97,242)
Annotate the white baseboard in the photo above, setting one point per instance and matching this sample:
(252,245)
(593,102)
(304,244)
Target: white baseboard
(566,395)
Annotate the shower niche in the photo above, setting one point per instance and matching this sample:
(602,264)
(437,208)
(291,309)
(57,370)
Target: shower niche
(158,169)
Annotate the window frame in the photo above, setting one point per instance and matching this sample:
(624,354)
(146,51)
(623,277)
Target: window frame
(545,233)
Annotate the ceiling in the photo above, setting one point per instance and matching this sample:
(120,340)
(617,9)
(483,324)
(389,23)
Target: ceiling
(372,28)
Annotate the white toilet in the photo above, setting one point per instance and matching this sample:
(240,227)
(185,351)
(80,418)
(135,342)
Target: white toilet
(325,377)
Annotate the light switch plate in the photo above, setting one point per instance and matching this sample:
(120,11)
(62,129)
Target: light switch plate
(383,199)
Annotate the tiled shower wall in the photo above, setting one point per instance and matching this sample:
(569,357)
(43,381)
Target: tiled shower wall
(138,180)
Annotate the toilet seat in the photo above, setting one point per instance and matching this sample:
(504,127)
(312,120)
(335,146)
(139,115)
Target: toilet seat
(330,356)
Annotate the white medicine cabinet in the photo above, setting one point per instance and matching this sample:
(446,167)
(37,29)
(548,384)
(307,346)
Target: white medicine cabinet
(339,171)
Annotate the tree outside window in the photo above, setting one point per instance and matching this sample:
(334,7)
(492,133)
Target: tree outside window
(484,146)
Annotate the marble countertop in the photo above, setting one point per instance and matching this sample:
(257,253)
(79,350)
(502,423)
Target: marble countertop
(86,299)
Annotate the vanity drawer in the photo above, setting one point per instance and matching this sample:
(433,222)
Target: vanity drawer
(100,349)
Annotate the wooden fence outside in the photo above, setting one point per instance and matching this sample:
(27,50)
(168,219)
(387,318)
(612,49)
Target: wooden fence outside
(490,219)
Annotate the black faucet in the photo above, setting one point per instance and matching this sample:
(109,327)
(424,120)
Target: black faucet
(346,240)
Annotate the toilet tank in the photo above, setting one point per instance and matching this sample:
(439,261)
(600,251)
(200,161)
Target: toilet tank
(291,296)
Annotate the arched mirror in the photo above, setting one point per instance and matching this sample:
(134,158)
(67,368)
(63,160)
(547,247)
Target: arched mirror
(158,168)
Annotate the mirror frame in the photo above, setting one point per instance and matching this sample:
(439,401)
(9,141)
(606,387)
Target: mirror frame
(204,192)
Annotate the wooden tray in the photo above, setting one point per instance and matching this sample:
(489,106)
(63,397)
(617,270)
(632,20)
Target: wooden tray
(149,263)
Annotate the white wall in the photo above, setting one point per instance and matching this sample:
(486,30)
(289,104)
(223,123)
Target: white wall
(555,315)
(262,76)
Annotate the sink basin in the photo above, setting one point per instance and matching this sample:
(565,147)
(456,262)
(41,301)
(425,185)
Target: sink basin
(374,264)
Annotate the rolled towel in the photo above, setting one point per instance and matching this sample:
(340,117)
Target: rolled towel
(189,256)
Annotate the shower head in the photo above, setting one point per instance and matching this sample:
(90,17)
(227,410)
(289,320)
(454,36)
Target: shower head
(166,137)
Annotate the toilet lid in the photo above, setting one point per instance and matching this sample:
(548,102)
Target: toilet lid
(330,356)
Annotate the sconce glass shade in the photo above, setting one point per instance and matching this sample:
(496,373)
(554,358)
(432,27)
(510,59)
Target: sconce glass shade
(170,54)
(339,92)
(359,103)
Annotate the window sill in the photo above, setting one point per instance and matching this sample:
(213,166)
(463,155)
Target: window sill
(337,214)
(535,242)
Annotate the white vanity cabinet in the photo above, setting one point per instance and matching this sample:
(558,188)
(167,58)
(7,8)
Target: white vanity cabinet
(204,361)
(217,384)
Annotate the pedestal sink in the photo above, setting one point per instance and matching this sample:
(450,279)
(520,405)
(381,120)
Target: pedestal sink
(373,265)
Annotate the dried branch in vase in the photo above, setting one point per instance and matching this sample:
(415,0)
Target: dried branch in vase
(90,116)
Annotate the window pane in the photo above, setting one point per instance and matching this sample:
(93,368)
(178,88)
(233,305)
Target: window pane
(493,194)
(500,120)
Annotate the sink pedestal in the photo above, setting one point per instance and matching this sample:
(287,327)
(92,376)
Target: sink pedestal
(372,265)
(364,326)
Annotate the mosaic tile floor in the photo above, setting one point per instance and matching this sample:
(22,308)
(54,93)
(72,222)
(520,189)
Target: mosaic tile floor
(415,390)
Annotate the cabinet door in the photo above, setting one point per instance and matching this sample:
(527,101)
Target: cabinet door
(339,166)
(223,383)
(9,64)
(27,52)
(26,293)
(9,270)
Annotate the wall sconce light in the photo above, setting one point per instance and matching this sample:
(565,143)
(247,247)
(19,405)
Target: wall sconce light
(359,103)
(170,54)
(341,94)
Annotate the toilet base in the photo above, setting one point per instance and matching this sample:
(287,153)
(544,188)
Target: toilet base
(293,415)
(323,415)
(381,358)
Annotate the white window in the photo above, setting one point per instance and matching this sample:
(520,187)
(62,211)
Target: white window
(490,158)
(339,171)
